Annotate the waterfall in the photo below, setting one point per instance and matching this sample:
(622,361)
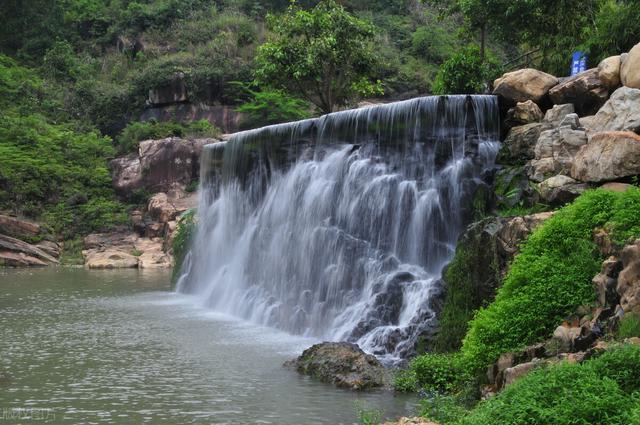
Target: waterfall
(339,227)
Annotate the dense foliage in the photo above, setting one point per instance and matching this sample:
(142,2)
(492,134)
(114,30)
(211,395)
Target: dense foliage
(136,132)
(272,107)
(325,55)
(48,170)
(605,390)
(551,276)
(440,373)
(466,72)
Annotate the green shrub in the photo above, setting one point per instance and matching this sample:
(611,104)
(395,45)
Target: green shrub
(438,373)
(182,240)
(599,391)
(273,107)
(465,73)
(550,277)
(629,326)
(136,132)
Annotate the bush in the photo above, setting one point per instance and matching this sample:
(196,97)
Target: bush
(550,277)
(599,391)
(465,73)
(182,241)
(437,373)
(629,326)
(273,107)
(136,132)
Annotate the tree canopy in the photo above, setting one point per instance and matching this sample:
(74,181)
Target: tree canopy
(325,55)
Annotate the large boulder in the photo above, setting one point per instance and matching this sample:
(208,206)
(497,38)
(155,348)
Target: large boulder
(523,85)
(608,156)
(620,113)
(628,286)
(584,90)
(152,255)
(342,364)
(630,68)
(609,72)
(124,250)
(554,152)
(159,165)
(518,146)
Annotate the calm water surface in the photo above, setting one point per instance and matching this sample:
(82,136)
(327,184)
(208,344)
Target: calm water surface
(82,347)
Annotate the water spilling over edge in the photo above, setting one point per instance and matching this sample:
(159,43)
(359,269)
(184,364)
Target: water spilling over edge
(339,227)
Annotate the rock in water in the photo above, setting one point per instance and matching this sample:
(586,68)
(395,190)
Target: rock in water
(523,85)
(341,363)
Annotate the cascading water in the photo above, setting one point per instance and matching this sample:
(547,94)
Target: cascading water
(339,227)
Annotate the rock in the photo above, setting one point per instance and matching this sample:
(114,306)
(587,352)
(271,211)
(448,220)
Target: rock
(584,90)
(609,72)
(620,113)
(152,255)
(608,156)
(342,364)
(630,68)
(412,421)
(16,253)
(518,147)
(602,239)
(605,282)
(174,91)
(512,187)
(516,229)
(18,228)
(514,373)
(126,175)
(560,190)
(160,209)
(224,117)
(587,122)
(51,248)
(616,186)
(125,240)
(524,113)
(111,258)
(571,120)
(554,152)
(554,116)
(628,286)
(159,166)
(523,85)
(566,335)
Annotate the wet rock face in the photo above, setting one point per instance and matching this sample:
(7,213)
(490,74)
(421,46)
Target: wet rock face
(342,364)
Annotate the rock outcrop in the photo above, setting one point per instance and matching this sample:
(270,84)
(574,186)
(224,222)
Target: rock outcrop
(620,113)
(630,68)
(585,91)
(608,156)
(554,152)
(18,228)
(174,91)
(159,165)
(124,250)
(17,253)
(523,85)
(523,113)
(628,285)
(342,364)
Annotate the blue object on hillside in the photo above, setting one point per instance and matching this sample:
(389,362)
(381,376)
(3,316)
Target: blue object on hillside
(578,63)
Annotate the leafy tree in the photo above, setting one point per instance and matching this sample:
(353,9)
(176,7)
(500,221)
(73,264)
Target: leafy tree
(325,55)
(273,107)
(616,29)
(465,73)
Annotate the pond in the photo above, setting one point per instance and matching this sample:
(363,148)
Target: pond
(80,346)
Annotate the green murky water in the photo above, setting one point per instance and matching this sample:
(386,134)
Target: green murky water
(83,347)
